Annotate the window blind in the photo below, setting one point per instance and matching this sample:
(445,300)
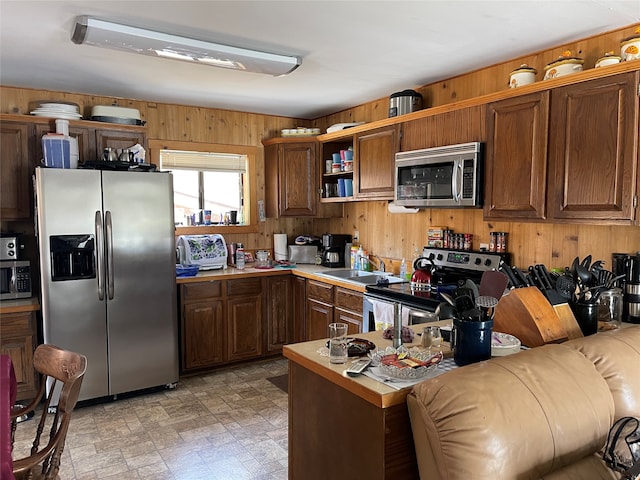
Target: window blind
(210,161)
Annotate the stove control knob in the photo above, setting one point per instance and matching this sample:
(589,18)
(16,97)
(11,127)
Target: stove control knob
(487,262)
(478,261)
(439,256)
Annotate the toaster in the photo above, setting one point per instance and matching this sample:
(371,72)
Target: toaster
(209,252)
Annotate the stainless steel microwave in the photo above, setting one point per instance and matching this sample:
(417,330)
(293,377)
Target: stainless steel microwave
(447,177)
(15,279)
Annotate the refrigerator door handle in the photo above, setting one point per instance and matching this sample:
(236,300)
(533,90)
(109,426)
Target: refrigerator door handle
(99,253)
(109,256)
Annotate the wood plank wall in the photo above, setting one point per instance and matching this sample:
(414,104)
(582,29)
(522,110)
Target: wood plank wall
(394,236)
(391,236)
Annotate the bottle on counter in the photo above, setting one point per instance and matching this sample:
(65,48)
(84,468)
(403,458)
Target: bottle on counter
(240,256)
(403,269)
(360,259)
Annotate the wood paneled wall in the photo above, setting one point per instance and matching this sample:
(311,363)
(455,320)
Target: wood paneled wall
(394,236)
(391,236)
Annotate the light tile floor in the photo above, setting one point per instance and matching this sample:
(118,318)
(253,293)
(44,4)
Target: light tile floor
(227,425)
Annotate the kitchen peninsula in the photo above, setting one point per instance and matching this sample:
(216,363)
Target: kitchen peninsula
(342,427)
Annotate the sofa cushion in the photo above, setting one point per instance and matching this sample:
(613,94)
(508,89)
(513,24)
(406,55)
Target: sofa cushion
(521,416)
(616,356)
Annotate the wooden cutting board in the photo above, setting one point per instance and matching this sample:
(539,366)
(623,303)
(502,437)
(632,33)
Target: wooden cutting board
(526,314)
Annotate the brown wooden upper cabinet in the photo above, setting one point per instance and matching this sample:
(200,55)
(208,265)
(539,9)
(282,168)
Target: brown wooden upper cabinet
(93,139)
(567,154)
(593,150)
(374,162)
(16,166)
(516,157)
(290,179)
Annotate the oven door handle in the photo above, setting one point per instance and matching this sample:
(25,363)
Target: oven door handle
(456,181)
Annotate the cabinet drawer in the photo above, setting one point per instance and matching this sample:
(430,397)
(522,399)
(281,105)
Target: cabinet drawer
(22,323)
(244,286)
(348,299)
(199,290)
(322,292)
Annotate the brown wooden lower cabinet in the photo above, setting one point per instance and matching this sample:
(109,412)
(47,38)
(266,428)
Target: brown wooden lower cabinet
(336,434)
(279,307)
(18,340)
(327,304)
(225,321)
(202,325)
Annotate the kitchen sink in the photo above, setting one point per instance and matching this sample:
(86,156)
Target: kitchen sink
(358,276)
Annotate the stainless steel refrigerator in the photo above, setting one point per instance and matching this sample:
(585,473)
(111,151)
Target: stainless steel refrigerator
(107,268)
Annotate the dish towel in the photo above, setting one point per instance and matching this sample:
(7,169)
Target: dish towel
(383,315)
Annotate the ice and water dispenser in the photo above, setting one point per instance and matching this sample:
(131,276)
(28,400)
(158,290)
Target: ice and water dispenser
(72,257)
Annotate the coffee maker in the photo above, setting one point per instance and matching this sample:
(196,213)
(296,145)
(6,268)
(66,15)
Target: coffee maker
(334,250)
(629,265)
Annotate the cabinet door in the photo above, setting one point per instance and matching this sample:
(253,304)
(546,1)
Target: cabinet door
(118,139)
(291,179)
(516,157)
(319,316)
(18,340)
(279,307)
(299,309)
(593,156)
(352,319)
(375,161)
(202,334)
(16,166)
(244,326)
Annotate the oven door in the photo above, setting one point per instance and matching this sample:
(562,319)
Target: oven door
(377,313)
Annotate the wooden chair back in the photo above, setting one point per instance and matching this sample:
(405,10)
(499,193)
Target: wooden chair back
(61,372)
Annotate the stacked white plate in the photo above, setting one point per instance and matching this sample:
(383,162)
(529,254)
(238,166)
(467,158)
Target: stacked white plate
(58,110)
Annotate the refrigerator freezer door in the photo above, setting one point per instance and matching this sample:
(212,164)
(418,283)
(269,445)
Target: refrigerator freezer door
(73,316)
(142,324)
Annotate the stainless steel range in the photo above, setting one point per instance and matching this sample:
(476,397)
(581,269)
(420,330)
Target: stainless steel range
(452,270)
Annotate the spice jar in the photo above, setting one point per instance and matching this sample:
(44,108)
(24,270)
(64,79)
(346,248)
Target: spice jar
(492,241)
(501,242)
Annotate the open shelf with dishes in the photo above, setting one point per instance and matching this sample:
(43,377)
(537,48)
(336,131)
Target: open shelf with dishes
(337,178)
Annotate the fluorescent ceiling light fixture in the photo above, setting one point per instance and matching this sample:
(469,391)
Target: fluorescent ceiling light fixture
(102,33)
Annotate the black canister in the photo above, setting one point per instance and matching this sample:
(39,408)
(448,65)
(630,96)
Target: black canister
(471,341)
(587,317)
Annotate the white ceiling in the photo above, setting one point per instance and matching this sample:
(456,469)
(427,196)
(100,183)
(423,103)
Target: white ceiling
(353,51)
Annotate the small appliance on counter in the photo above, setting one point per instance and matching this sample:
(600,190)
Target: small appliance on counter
(335,248)
(209,251)
(10,247)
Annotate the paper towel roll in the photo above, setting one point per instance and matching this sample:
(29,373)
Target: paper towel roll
(280,251)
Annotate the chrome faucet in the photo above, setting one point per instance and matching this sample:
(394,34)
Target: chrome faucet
(380,265)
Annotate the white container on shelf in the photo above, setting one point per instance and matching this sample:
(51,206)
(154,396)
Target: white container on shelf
(56,150)
(62,126)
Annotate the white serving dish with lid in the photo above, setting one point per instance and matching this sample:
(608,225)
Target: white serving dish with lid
(523,75)
(564,65)
(608,59)
(630,47)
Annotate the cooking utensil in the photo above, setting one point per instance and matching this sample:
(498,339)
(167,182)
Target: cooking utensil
(473,287)
(566,286)
(464,303)
(586,263)
(493,284)
(583,274)
(448,298)
(487,306)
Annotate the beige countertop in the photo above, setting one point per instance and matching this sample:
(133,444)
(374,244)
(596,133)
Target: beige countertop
(31,304)
(302,270)
(306,354)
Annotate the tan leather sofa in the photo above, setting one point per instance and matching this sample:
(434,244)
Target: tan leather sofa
(541,413)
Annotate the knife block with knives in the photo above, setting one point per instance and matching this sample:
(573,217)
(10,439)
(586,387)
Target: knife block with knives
(526,314)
